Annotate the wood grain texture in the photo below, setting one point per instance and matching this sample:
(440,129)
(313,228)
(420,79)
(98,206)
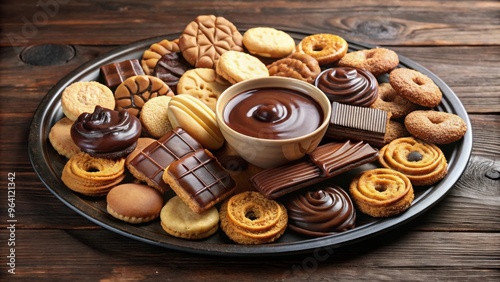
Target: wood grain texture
(458,239)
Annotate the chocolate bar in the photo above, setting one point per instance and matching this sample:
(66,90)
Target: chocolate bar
(358,123)
(170,68)
(200,180)
(323,163)
(153,159)
(114,74)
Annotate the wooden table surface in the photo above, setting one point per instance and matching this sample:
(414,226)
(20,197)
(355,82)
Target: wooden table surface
(457,240)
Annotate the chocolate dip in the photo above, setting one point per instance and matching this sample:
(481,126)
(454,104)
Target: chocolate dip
(273,113)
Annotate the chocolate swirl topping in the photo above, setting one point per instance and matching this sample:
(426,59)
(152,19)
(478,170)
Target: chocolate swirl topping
(105,131)
(348,85)
(321,212)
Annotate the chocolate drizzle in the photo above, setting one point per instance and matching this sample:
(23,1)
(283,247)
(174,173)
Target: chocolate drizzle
(321,212)
(324,162)
(348,85)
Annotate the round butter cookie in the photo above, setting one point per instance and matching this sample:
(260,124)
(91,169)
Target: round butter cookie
(135,91)
(134,203)
(249,218)
(178,220)
(381,192)
(151,56)
(268,42)
(206,38)
(60,138)
(416,87)
(154,116)
(423,163)
(378,61)
(83,96)
(325,48)
(298,65)
(92,176)
(203,84)
(197,119)
(238,66)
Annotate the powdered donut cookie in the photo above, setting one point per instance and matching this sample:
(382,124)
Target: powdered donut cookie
(381,192)
(178,220)
(134,203)
(416,87)
(268,42)
(60,138)
(249,218)
(423,163)
(203,84)
(298,65)
(154,116)
(378,61)
(435,127)
(325,48)
(137,90)
(238,66)
(389,100)
(92,176)
(151,56)
(82,97)
(206,38)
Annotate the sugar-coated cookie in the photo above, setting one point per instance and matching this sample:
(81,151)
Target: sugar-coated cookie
(60,138)
(378,61)
(154,116)
(416,87)
(204,84)
(435,127)
(134,203)
(268,42)
(178,220)
(249,218)
(297,65)
(381,192)
(238,66)
(389,100)
(206,38)
(151,56)
(325,48)
(83,96)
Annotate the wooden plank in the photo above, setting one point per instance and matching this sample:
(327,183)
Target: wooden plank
(389,23)
(109,257)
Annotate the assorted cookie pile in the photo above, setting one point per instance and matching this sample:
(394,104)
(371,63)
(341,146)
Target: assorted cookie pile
(148,126)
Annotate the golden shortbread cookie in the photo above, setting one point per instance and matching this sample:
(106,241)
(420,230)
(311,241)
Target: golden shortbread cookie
(204,84)
(60,138)
(238,66)
(83,96)
(268,42)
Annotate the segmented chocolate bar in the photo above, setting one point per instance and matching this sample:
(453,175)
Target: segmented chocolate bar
(153,159)
(115,73)
(324,162)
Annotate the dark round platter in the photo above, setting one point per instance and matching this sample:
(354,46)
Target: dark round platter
(48,165)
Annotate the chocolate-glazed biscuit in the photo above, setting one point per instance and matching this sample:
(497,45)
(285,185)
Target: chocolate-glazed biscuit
(206,38)
(199,180)
(149,164)
(323,163)
(170,68)
(115,73)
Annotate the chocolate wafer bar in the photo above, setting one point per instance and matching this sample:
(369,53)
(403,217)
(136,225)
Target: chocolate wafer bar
(114,74)
(199,180)
(358,123)
(155,158)
(323,163)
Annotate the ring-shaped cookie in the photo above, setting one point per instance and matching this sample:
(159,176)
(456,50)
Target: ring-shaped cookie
(325,48)
(416,87)
(381,192)
(378,61)
(435,127)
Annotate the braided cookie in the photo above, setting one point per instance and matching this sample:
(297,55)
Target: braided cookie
(423,163)
(92,176)
(249,218)
(381,192)
(297,65)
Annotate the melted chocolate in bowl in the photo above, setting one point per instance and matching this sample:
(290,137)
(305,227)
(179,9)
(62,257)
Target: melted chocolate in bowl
(273,113)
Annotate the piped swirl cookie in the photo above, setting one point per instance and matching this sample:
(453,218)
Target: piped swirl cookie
(381,192)
(249,218)
(423,163)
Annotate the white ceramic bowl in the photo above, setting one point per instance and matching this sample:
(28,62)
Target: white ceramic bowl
(267,153)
